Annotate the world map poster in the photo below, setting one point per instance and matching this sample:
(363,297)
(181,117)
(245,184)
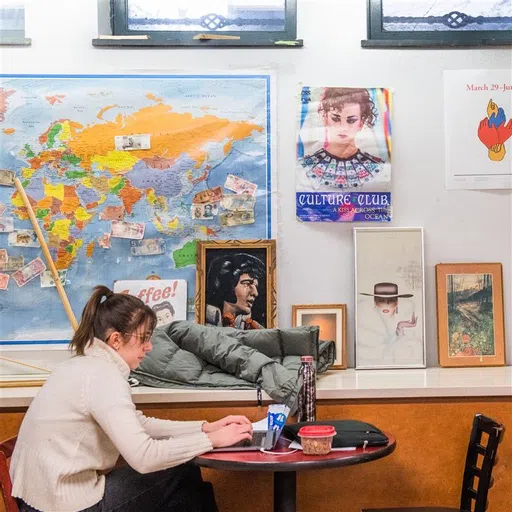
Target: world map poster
(124,174)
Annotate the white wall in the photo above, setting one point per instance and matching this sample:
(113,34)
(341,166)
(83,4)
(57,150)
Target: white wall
(315,261)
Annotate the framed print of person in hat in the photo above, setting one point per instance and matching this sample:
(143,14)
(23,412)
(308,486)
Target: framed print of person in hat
(389,298)
(388,333)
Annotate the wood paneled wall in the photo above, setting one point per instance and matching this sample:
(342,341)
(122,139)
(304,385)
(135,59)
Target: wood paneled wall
(426,467)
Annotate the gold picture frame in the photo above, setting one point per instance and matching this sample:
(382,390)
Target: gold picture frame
(470,316)
(222,262)
(332,321)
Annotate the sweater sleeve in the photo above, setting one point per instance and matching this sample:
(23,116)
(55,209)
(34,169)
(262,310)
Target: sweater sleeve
(166,428)
(109,401)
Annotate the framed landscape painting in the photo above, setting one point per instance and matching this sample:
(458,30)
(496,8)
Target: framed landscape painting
(389,298)
(470,318)
(332,321)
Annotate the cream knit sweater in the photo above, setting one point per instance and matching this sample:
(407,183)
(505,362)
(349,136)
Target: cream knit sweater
(78,424)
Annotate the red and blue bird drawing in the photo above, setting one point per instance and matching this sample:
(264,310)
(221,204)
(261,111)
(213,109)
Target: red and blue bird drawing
(494,131)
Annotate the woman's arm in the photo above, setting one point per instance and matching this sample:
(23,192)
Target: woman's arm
(108,399)
(158,428)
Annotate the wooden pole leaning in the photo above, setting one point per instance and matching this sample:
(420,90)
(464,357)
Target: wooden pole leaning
(33,366)
(47,255)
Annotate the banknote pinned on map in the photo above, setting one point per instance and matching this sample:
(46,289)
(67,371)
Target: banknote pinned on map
(6,224)
(12,264)
(210,195)
(104,241)
(4,281)
(23,238)
(134,230)
(148,247)
(4,257)
(31,270)
(204,211)
(238,202)
(47,280)
(132,142)
(112,213)
(236,218)
(239,185)
(7,178)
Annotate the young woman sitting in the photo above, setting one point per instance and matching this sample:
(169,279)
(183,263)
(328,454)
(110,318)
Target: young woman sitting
(83,418)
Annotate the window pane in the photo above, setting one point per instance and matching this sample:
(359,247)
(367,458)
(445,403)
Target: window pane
(12,22)
(446,15)
(207,15)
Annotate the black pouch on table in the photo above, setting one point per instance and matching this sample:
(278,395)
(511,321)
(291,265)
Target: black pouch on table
(349,433)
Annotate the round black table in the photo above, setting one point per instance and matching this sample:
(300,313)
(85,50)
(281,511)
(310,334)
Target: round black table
(285,466)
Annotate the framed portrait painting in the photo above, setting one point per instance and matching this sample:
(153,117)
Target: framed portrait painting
(236,283)
(332,321)
(389,298)
(470,318)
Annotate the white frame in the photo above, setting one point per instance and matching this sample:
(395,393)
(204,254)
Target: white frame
(419,230)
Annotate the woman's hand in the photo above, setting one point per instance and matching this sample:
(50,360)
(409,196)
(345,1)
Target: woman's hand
(224,422)
(230,434)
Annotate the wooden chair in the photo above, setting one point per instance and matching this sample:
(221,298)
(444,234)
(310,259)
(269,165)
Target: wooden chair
(6,449)
(471,500)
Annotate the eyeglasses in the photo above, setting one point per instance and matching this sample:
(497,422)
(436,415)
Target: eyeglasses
(145,338)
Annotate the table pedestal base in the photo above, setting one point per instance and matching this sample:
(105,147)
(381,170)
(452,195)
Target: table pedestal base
(285,485)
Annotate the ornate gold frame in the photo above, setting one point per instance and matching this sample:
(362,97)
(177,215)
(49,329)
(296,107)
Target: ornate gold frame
(268,245)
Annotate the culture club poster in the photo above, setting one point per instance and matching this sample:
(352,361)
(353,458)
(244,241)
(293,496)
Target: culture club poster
(478,129)
(343,167)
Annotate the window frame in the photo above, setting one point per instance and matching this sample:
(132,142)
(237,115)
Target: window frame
(119,26)
(14,37)
(378,37)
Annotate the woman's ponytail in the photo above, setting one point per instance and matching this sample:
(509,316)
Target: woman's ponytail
(85,331)
(106,312)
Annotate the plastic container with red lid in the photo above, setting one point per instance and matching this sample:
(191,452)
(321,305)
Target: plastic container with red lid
(317,439)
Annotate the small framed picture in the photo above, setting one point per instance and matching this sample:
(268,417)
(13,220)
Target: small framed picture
(332,321)
(470,320)
(236,283)
(389,288)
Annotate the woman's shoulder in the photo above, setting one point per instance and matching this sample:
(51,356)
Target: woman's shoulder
(84,364)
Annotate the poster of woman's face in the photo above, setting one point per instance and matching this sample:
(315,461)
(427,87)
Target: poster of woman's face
(343,166)
(344,138)
(233,285)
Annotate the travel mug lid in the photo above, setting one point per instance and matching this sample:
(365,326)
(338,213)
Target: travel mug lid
(306,359)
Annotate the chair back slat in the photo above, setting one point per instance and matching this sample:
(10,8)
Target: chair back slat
(480,449)
(6,449)
(494,431)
